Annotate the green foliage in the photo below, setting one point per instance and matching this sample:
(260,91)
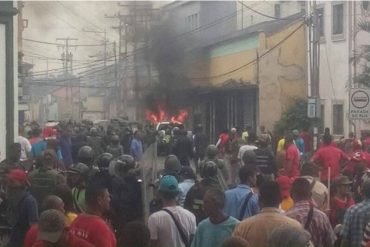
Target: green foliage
(363,58)
(295,117)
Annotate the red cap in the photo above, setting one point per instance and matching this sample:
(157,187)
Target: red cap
(19,175)
(285,184)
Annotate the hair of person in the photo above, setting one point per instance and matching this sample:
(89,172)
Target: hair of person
(51,202)
(217,196)
(327,139)
(288,140)
(270,194)
(309,169)
(235,242)
(135,234)
(246,172)
(289,236)
(366,189)
(168,195)
(93,191)
(301,189)
(65,193)
(252,137)
(14,146)
(327,131)
(36,132)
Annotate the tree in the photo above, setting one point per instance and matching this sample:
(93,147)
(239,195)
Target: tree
(295,117)
(363,57)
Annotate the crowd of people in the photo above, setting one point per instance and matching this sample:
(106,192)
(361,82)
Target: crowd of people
(77,187)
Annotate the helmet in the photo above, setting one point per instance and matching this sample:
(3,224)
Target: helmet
(211,151)
(209,170)
(122,164)
(103,161)
(249,157)
(86,152)
(115,138)
(172,163)
(79,168)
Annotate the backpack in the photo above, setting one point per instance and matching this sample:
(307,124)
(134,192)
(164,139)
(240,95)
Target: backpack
(43,184)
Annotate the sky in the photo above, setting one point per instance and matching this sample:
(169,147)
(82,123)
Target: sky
(49,20)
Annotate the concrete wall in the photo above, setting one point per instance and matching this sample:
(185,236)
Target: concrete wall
(280,75)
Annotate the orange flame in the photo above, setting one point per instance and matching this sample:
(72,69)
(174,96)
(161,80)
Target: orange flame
(162,116)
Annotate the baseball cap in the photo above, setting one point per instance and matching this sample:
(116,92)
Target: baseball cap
(285,185)
(19,175)
(168,184)
(51,225)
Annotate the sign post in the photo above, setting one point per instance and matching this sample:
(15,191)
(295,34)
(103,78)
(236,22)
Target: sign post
(359,104)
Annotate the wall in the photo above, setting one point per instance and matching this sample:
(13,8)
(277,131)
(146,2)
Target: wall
(280,75)
(2,93)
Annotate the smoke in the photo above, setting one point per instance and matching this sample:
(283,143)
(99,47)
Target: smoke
(167,56)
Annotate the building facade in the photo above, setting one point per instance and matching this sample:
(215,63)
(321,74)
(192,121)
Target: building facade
(8,76)
(340,42)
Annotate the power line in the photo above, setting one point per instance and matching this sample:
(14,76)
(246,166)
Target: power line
(59,44)
(260,13)
(254,60)
(79,16)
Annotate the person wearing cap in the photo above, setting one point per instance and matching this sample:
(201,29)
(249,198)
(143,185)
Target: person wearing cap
(91,226)
(22,210)
(187,177)
(95,141)
(341,200)
(312,219)
(241,202)
(222,171)
(53,232)
(249,146)
(166,224)
(285,185)
(291,164)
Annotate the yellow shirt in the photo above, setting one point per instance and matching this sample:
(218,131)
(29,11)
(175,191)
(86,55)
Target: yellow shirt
(69,218)
(280,145)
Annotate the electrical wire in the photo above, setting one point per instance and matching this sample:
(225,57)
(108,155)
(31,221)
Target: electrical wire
(262,14)
(254,60)
(50,43)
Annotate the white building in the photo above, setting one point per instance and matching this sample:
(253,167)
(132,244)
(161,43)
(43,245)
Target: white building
(340,42)
(8,75)
(250,13)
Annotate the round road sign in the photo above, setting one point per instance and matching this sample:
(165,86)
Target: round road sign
(360,99)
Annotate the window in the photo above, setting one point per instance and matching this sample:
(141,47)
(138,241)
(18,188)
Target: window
(192,22)
(277,11)
(320,13)
(338,19)
(338,128)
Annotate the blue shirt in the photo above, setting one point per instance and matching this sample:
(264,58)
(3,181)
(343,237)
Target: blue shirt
(235,198)
(300,144)
(136,149)
(355,221)
(213,235)
(184,187)
(38,148)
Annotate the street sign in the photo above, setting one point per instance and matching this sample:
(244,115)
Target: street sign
(359,104)
(312,108)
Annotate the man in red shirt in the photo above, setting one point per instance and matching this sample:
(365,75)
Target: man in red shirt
(329,156)
(291,165)
(91,226)
(52,232)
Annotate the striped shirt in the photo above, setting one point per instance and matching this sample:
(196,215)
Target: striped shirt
(320,228)
(355,221)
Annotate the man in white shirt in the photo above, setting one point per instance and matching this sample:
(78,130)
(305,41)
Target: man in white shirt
(25,147)
(172,226)
(250,146)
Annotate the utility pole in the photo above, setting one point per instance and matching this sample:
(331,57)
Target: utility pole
(67,58)
(314,55)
